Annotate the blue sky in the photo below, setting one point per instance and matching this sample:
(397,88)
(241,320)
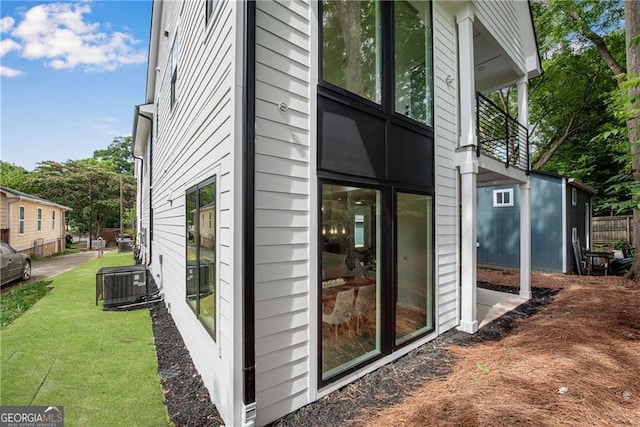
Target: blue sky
(70,75)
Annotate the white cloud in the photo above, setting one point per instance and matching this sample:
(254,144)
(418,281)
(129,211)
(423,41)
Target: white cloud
(7,45)
(9,72)
(59,34)
(6,24)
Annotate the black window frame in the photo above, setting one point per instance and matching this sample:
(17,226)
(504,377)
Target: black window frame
(196,310)
(386,106)
(395,137)
(388,260)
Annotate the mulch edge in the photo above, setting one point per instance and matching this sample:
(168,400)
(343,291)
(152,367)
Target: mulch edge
(188,400)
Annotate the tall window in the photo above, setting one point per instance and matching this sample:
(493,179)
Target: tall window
(39,219)
(201,252)
(414,266)
(21,220)
(53,220)
(352,48)
(353,35)
(174,70)
(412,35)
(350,277)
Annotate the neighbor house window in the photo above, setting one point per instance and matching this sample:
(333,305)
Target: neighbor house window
(53,220)
(503,198)
(352,47)
(574,197)
(21,220)
(39,219)
(210,6)
(201,252)
(412,39)
(174,70)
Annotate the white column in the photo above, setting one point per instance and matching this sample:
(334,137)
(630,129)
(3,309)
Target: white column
(468,239)
(466,78)
(525,240)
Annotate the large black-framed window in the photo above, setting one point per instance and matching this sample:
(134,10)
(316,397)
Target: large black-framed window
(376,188)
(376,271)
(200,254)
(379,53)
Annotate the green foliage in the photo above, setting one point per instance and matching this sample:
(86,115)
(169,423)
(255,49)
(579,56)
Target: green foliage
(575,108)
(14,177)
(117,157)
(20,300)
(88,187)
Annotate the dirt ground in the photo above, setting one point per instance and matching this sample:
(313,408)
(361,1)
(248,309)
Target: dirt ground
(570,356)
(575,363)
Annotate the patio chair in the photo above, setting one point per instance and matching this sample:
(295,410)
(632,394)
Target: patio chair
(365,302)
(342,310)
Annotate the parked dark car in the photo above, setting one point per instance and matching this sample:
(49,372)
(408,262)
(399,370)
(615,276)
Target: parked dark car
(13,264)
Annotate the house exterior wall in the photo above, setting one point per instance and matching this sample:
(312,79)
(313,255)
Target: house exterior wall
(284,234)
(44,242)
(446,176)
(546,223)
(500,18)
(194,140)
(498,229)
(201,136)
(552,218)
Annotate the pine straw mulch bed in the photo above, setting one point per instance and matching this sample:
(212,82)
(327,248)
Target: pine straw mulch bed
(569,356)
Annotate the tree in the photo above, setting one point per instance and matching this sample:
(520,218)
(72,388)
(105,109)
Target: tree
(14,177)
(578,24)
(89,187)
(117,156)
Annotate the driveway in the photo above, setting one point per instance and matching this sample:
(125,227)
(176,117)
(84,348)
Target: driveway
(49,267)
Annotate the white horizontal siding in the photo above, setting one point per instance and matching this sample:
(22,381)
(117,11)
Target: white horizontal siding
(501,20)
(282,201)
(446,130)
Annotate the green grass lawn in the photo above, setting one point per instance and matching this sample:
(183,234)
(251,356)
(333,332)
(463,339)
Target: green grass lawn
(100,365)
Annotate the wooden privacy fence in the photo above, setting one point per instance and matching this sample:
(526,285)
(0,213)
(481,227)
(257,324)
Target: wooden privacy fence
(610,229)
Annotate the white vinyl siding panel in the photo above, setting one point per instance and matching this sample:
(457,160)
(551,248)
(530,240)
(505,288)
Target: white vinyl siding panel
(500,18)
(446,126)
(282,200)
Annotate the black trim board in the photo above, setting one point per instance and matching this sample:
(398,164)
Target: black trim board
(248,196)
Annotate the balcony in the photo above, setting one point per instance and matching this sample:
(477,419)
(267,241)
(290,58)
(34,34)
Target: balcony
(500,136)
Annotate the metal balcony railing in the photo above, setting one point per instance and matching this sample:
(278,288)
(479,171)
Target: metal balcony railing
(500,136)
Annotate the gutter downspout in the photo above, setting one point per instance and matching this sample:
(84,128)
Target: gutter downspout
(248,118)
(150,245)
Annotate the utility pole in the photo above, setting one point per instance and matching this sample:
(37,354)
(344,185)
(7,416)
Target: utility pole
(121,230)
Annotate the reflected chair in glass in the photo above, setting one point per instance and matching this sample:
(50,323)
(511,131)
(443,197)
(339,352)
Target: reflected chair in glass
(365,302)
(342,310)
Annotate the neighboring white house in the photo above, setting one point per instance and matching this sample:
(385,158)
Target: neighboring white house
(333,146)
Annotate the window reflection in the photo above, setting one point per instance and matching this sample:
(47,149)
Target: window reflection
(414,266)
(412,31)
(351,53)
(200,214)
(350,277)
